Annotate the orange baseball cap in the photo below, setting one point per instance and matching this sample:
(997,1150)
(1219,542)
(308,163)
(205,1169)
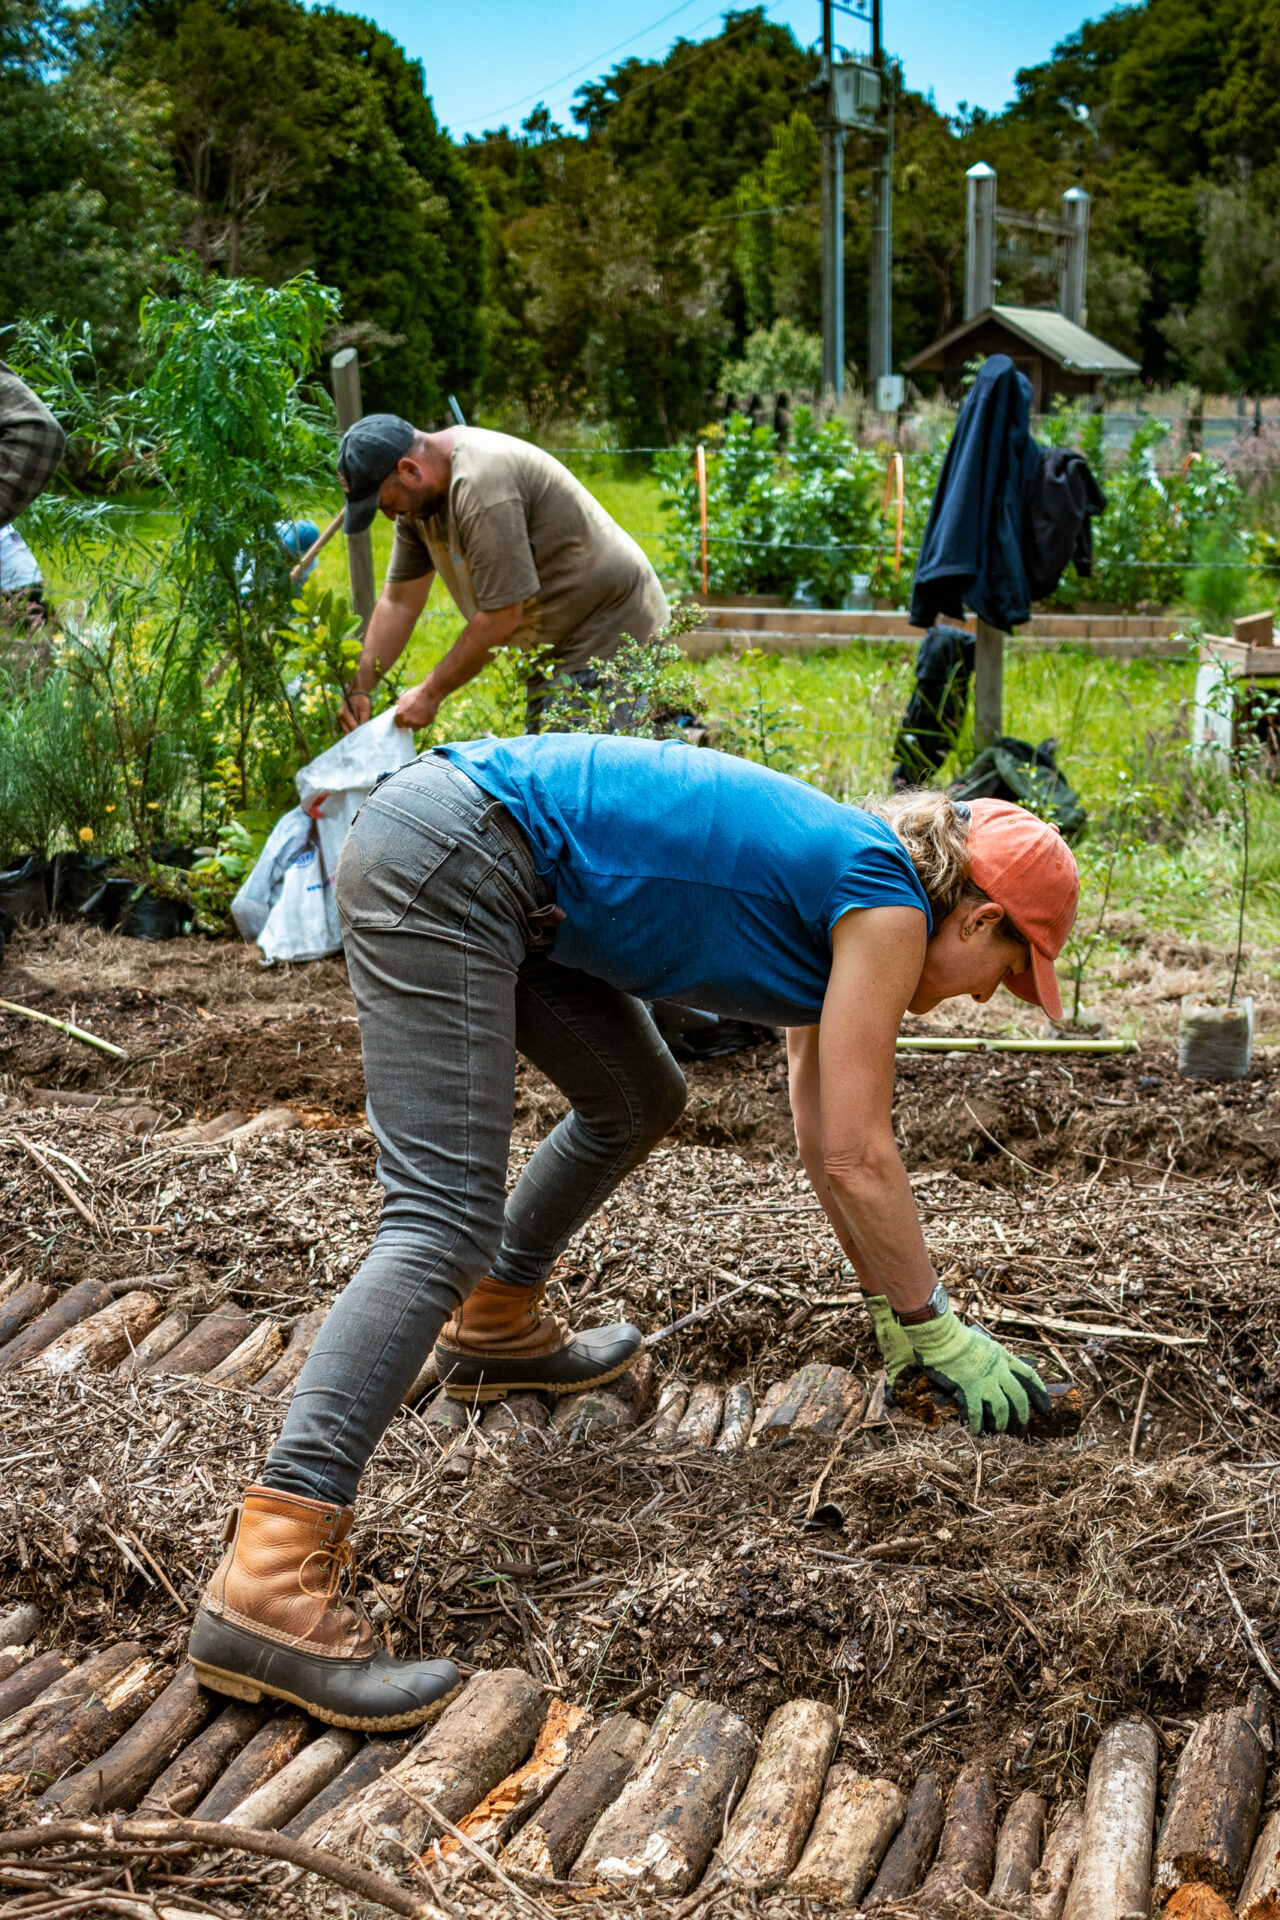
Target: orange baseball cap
(1026,867)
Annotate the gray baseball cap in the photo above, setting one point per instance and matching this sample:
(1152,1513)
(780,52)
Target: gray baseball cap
(366,458)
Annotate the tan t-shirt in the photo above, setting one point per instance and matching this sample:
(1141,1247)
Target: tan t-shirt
(518,526)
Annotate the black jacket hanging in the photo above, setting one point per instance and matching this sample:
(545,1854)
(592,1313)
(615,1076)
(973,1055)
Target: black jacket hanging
(971,554)
(1059,523)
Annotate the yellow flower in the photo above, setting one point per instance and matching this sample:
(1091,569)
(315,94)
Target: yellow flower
(152,805)
(86,834)
(110,809)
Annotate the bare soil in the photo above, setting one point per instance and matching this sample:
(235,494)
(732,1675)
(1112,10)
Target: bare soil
(955,1598)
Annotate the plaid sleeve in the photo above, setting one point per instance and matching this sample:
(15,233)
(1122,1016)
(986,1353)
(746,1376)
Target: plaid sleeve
(31,445)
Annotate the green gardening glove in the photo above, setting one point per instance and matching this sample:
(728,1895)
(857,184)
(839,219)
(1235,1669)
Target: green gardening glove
(892,1338)
(995,1390)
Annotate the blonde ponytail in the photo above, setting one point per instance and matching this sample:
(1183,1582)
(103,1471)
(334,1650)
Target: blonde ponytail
(935,836)
(934,832)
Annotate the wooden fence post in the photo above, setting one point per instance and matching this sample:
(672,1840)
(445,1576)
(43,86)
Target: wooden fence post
(345,366)
(988,686)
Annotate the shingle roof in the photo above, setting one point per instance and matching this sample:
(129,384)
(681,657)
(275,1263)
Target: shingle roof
(1049,333)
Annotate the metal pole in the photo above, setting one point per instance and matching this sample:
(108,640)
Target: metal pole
(988,685)
(1072,299)
(345,367)
(832,223)
(880,327)
(980,240)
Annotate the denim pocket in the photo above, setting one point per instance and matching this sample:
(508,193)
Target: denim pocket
(387,859)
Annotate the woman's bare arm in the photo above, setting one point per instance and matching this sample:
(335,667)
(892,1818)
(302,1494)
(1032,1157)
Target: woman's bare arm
(842,1101)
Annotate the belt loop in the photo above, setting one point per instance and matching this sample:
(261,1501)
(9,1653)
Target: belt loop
(489,815)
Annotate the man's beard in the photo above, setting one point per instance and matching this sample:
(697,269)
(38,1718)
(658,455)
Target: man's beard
(425,501)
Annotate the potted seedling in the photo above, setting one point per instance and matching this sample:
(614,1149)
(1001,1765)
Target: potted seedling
(1215,1041)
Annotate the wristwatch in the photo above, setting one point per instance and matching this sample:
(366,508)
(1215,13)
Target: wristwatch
(933,1309)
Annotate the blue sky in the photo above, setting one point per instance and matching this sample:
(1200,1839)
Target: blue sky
(489,61)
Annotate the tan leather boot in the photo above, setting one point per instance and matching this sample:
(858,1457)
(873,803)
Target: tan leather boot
(504,1339)
(270,1623)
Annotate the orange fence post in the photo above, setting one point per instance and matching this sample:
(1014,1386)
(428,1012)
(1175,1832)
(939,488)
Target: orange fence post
(895,468)
(700,467)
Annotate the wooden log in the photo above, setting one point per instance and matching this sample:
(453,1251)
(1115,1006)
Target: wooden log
(565,1736)
(774,1423)
(739,1412)
(121,1776)
(1047,1894)
(1260,1893)
(913,1846)
(700,1421)
(270,1749)
(425,1380)
(659,1833)
(86,1297)
(62,1696)
(193,1130)
(967,1850)
(635,1387)
(374,1759)
(162,1339)
(448,1418)
(209,1341)
(11,1659)
(771,1822)
(76,1740)
(596,1414)
(287,1368)
(186,1780)
(25,1683)
(101,1340)
(297,1783)
(829,1404)
(21,1306)
(1018,1848)
(551,1841)
(774,1396)
(270,1120)
(19,1624)
(517,1417)
(256,1354)
(480,1737)
(855,1823)
(672,1400)
(1195,1901)
(1113,1873)
(1212,1812)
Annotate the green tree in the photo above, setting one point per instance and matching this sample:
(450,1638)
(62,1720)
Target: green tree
(87,206)
(779,246)
(305,140)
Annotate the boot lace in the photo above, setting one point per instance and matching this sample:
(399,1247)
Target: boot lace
(337,1562)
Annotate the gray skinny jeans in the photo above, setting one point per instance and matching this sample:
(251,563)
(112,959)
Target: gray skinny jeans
(435,887)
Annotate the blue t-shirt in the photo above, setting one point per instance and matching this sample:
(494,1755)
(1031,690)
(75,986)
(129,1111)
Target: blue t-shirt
(691,875)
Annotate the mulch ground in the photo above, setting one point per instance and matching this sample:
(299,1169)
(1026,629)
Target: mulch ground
(955,1599)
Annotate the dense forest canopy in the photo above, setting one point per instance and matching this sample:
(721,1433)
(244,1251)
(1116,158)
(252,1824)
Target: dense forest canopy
(608,270)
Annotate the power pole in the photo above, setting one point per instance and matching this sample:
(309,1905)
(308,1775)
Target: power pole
(832,220)
(880,329)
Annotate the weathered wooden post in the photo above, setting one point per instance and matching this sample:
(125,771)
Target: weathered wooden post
(345,367)
(988,685)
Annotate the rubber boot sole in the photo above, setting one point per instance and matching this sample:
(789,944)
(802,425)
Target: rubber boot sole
(487,1391)
(245,1665)
(236,1687)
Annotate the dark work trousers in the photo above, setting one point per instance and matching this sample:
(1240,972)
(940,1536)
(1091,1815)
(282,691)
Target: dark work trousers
(436,888)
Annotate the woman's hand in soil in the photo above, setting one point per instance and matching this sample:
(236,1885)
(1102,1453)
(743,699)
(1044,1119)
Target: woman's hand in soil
(995,1390)
(892,1338)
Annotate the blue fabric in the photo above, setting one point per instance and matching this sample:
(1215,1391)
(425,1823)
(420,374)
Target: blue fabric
(971,554)
(691,875)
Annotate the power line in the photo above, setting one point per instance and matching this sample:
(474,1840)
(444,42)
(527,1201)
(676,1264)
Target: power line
(540,93)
